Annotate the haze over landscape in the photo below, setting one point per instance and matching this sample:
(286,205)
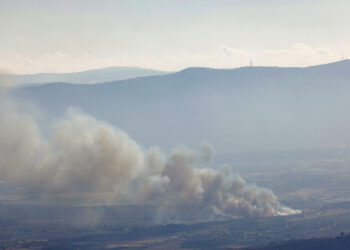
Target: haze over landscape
(174,124)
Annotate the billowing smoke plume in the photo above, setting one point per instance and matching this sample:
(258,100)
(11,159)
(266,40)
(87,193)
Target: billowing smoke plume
(81,155)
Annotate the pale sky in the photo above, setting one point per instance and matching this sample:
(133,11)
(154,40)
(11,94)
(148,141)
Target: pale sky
(68,36)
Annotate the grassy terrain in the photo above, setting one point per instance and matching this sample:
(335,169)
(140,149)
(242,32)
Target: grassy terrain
(55,227)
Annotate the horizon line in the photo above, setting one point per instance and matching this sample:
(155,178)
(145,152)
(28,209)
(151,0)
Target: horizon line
(165,71)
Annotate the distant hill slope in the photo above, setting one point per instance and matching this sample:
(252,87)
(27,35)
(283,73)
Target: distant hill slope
(340,243)
(87,77)
(250,108)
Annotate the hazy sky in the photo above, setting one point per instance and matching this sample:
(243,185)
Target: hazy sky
(66,36)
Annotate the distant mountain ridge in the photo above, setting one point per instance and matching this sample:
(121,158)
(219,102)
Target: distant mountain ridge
(86,77)
(249,108)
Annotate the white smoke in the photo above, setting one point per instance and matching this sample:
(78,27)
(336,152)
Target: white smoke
(207,151)
(86,156)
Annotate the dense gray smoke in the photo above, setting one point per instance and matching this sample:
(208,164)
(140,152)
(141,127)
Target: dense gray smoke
(83,156)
